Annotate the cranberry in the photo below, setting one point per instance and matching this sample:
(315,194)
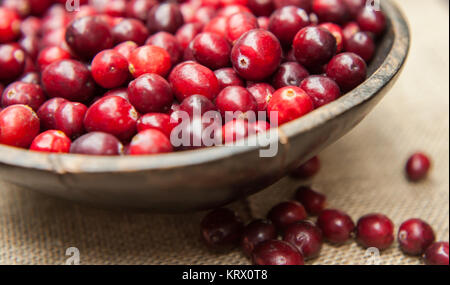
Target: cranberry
(313,201)
(306,237)
(69,119)
(9,25)
(336,31)
(51,54)
(437,254)
(12,62)
(126,48)
(39,6)
(234,130)
(203,15)
(289,103)
(51,141)
(256,55)
(217,25)
(130,30)
(337,227)
(418,166)
(88,36)
(286,213)
(286,22)
(289,74)
(415,236)
(335,11)
(276,252)
(150,93)
(235,99)
(139,8)
(354,6)
(97,143)
(19,125)
(211,50)
(46,113)
(85,11)
(113,115)
(304,4)
(21,7)
(349,30)
(262,92)
(314,46)
(149,141)
(375,230)
(321,89)
(187,33)
(371,20)
(31,26)
(240,23)
(30,77)
(55,38)
(261,7)
(169,43)
(121,92)
(197,105)
(263,23)
(221,229)
(149,59)
(255,233)
(156,121)
(165,17)
(68,79)
(110,69)
(229,10)
(361,44)
(190,78)
(30,44)
(23,93)
(228,77)
(348,70)
(308,169)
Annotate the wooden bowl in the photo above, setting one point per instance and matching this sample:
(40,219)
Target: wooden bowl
(208,178)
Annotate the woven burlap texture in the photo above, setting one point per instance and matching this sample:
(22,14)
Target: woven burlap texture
(361,173)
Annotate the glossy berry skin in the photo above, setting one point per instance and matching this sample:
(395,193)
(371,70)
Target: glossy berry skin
(9,25)
(371,20)
(130,30)
(235,99)
(285,22)
(304,4)
(437,254)
(138,9)
(276,252)
(126,48)
(337,227)
(348,70)
(228,77)
(150,93)
(415,236)
(149,141)
(263,23)
(46,113)
(349,30)
(156,121)
(68,79)
(217,25)
(240,23)
(69,119)
(97,143)
(291,103)
(417,167)
(261,7)
(314,46)
(361,44)
(30,77)
(23,93)
(110,69)
(308,169)
(234,130)
(190,78)
(354,6)
(88,36)
(287,213)
(51,141)
(256,55)
(375,230)
(12,62)
(336,31)
(262,92)
(289,74)
(186,33)
(306,237)
(314,202)
(221,229)
(149,59)
(19,125)
(211,50)
(51,54)
(169,43)
(321,89)
(335,11)
(197,105)
(165,17)
(113,115)
(255,233)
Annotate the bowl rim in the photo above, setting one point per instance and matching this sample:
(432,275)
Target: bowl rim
(74,163)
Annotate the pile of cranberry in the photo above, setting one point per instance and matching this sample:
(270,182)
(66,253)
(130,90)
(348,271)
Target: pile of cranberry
(108,77)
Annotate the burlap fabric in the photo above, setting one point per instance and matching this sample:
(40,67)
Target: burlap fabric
(361,173)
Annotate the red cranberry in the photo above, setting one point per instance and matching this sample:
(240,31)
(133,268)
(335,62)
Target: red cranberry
(19,125)
(51,141)
(371,20)
(110,69)
(23,93)
(68,79)
(211,50)
(165,17)
(415,236)
(276,252)
(336,31)
(169,43)
(240,23)
(30,44)
(31,26)
(150,93)
(149,59)
(113,115)
(418,166)
(197,105)
(348,70)
(30,77)
(121,92)
(304,4)
(289,74)
(51,54)
(221,229)
(354,6)
(375,230)
(335,11)
(313,201)
(126,48)
(39,6)
(149,141)
(46,113)
(203,15)
(337,227)
(290,103)
(190,78)
(55,38)
(361,44)
(130,30)
(306,237)
(97,143)
(139,8)
(21,7)
(9,25)
(308,169)
(255,233)
(256,55)
(437,254)
(263,23)
(234,130)
(69,119)
(286,22)
(217,25)
(187,33)
(321,89)
(88,36)
(228,77)
(85,11)
(287,213)
(261,7)
(229,10)
(235,99)
(349,30)
(314,46)
(262,92)
(12,62)
(156,121)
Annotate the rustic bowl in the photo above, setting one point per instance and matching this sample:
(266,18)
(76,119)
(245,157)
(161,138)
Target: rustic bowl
(208,178)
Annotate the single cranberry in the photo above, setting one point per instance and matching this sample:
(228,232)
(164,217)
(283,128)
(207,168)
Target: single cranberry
(190,78)
(321,89)
(306,237)
(336,31)
(187,33)
(126,48)
(204,15)
(228,77)
(23,93)
(19,125)
(287,213)
(68,79)
(30,44)
(256,55)
(262,92)
(9,25)
(229,10)
(12,62)
(415,236)
(88,36)
(335,11)
(30,77)
(69,119)
(372,20)
(240,23)
(156,121)
(130,30)
(150,93)
(110,69)
(150,141)
(289,103)
(138,9)
(289,74)
(51,54)
(276,252)
(211,50)
(221,229)
(217,25)
(349,30)
(169,43)
(46,113)
(165,17)
(337,227)
(314,46)
(197,105)
(286,22)
(308,169)
(437,254)
(97,143)
(255,233)
(348,70)
(31,26)
(361,44)
(375,230)
(417,166)
(234,130)
(113,115)
(261,7)
(314,202)
(149,59)
(51,141)
(235,99)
